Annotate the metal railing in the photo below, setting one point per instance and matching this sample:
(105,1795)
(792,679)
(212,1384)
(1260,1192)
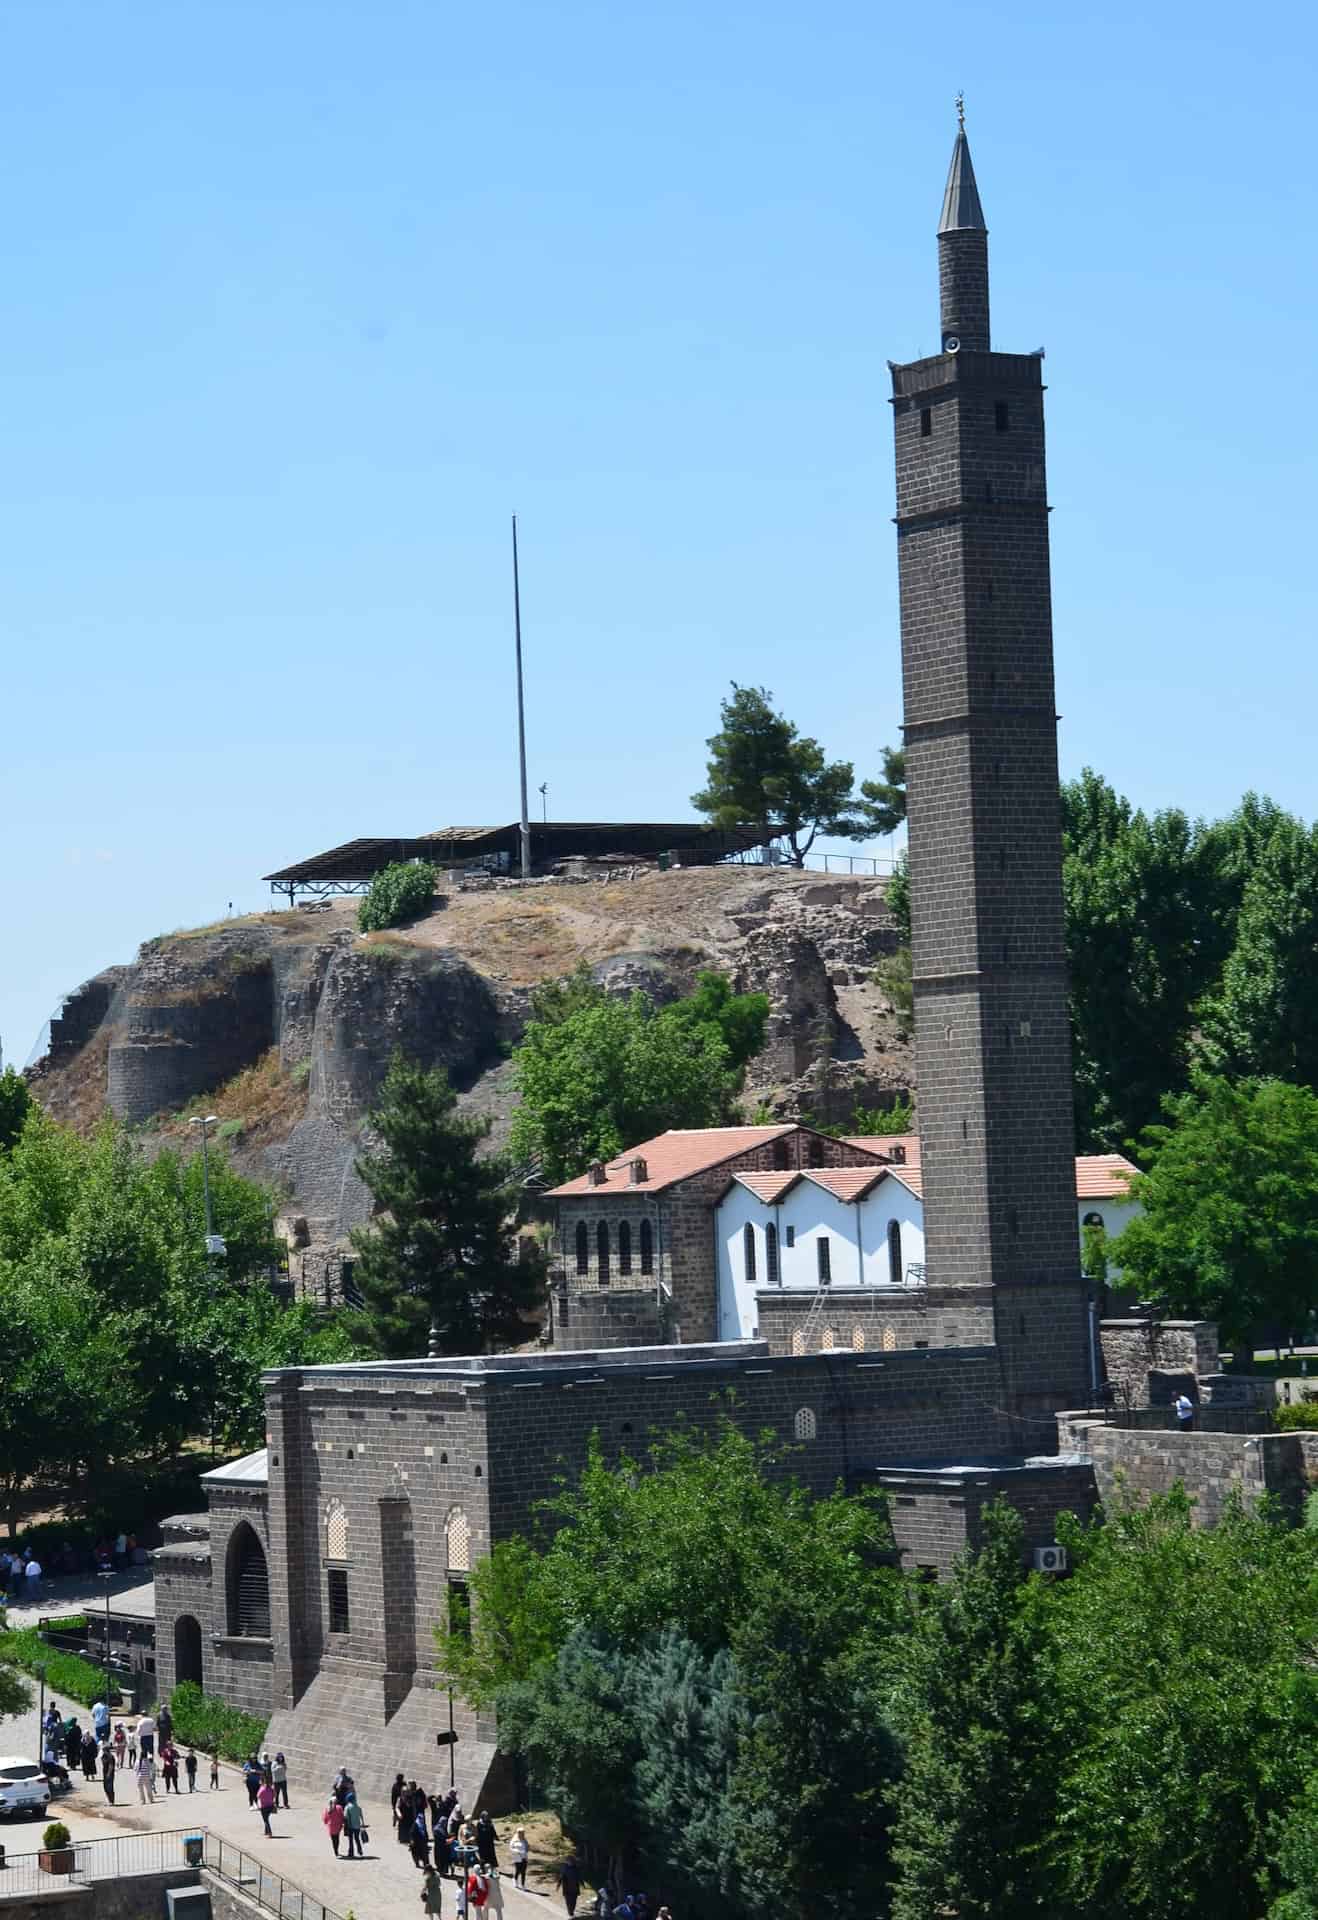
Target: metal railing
(129,1854)
(269,1890)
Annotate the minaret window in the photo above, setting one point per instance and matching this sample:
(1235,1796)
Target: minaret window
(1000,418)
(926,422)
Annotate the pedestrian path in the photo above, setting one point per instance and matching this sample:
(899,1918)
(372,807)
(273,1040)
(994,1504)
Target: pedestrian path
(380,1886)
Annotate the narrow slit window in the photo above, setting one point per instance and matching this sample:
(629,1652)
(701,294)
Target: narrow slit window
(791,1236)
(748,1241)
(774,1270)
(824,1256)
(1000,418)
(337,1578)
(894,1252)
(926,423)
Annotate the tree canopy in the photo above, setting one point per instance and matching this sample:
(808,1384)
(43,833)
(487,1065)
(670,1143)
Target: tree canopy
(442,1251)
(1229,1227)
(596,1072)
(124,1338)
(882,804)
(763,773)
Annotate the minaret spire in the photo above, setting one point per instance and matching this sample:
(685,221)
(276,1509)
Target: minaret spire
(963,252)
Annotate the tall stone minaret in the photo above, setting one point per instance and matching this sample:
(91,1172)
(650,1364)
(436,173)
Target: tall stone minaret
(992,1039)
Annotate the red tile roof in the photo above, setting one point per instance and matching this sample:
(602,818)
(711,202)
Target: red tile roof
(1098,1176)
(673,1156)
(1103,1176)
(846,1183)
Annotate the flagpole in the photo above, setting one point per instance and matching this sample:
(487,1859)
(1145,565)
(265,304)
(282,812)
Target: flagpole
(521,712)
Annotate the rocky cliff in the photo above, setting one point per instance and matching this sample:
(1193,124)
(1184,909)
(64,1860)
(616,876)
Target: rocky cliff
(285,1022)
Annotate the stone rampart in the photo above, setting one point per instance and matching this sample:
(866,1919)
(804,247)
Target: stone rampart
(876,1319)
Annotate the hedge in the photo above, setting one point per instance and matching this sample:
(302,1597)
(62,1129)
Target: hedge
(66,1673)
(1301,1413)
(200,1721)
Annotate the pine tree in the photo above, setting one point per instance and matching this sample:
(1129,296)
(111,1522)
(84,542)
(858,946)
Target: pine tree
(973,1809)
(441,1252)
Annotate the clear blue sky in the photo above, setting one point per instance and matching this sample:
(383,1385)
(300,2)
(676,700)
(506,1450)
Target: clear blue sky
(303,298)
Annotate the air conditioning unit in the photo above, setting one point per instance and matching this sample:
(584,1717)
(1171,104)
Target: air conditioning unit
(1050,1559)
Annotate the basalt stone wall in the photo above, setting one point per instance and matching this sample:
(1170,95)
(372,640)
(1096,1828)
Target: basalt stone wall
(377,999)
(1135,1349)
(83,1012)
(1131,1466)
(179,1036)
(240,1666)
(877,1319)
(936,1516)
(402,1458)
(628,1316)
(138,1896)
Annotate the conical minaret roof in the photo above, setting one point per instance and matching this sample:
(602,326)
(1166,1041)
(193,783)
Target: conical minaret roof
(961,208)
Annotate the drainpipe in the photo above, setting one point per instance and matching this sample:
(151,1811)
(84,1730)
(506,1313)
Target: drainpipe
(860,1248)
(1091,1311)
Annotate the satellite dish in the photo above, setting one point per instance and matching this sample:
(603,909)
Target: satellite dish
(951,344)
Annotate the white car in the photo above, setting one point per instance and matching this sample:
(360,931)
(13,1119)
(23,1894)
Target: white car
(23,1786)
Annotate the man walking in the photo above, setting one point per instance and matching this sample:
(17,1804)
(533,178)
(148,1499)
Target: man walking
(1184,1410)
(107,1772)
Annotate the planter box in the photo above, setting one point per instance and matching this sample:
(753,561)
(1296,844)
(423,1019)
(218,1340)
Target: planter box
(58,1861)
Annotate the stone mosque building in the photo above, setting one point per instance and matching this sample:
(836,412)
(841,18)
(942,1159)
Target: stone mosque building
(310,1588)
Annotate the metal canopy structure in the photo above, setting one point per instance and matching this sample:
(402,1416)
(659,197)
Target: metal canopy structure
(351,867)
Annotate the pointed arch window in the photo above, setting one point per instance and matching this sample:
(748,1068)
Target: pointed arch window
(602,1251)
(457,1541)
(895,1252)
(624,1246)
(773,1268)
(748,1249)
(336,1531)
(647,1247)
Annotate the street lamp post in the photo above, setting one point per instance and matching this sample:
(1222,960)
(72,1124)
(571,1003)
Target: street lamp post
(107,1574)
(41,1719)
(214,1241)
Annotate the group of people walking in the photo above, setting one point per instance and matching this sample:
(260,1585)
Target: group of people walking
(343,1816)
(266,1780)
(95,1749)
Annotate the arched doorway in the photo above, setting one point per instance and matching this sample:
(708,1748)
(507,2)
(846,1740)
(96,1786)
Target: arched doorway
(187,1649)
(249,1585)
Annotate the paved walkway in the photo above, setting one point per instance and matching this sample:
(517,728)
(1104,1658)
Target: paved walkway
(383,1884)
(132,1592)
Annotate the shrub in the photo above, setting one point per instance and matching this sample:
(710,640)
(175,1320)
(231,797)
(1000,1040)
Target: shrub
(66,1673)
(397,893)
(67,1623)
(56,1835)
(1303,1413)
(200,1721)
(229,1130)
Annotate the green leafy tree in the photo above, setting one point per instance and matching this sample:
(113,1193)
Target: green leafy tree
(882,805)
(976,1799)
(762,773)
(1144,940)
(15,1104)
(398,893)
(1296,1858)
(597,1072)
(1229,1227)
(1185,1702)
(442,1250)
(1262,1017)
(15,1694)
